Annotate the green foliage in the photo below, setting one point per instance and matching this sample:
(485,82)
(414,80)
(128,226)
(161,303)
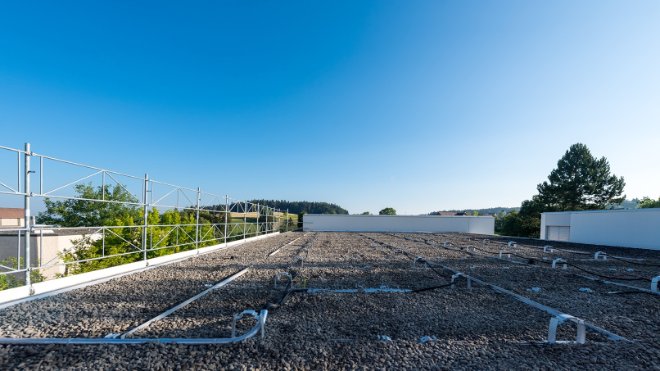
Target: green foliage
(366,213)
(8,281)
(300,219)
(387,211)
(487,211)
(523,223)
(515,224)
(647,203)
(85,213)
(581,182)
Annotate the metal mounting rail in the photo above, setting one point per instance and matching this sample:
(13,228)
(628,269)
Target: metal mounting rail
(285,245)
(558,316)
(364,290)
(600,280)
(181,305)
(258,327)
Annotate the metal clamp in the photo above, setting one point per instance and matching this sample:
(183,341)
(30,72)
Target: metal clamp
(600,255)
(418,261)
(558,260)
(239,316)
(548,248)
(277,279)
(454,277)
(512,244)
(580,338)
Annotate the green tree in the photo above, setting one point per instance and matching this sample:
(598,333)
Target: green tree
(387,211)
(82,212)
(581,182)
(647,203)
(366,213)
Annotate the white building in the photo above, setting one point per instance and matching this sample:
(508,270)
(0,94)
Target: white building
(398,223)
(11,217)
(639,228)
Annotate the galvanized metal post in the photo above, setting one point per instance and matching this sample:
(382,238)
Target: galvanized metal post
(199,193)
(267,219)
(145,223)
(257,220)
(28,216)
(287,220)
(245,209)
(227,215)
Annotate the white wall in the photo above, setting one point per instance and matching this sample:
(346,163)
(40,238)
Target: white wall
(556,219)
(399,223)
(638,228)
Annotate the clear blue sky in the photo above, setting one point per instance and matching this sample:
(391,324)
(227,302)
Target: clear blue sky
(418,105)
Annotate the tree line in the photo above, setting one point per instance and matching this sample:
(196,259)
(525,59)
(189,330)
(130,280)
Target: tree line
(303,207)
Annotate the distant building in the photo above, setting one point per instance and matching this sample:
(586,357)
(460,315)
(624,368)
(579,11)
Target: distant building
(626,228)
(12,217)
(46,247)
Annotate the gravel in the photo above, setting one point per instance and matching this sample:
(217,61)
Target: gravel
(441,328)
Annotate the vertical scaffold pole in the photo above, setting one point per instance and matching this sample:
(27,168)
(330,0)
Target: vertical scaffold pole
(145,223)
(199,192)
(227,216)
(245,210)
(257,220)
(28,216)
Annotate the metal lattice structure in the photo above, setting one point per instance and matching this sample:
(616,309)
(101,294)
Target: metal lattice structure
(204,218)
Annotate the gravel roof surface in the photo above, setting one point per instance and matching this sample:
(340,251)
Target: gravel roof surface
(436,326)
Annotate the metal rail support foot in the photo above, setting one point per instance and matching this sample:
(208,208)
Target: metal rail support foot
(600,255)
(547,248)
(512,244)
(654,283)
(454,277)
(239,316)
(580,337)
(418,261)
(557,261)
(277,280)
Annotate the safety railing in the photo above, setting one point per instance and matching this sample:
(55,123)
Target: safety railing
(76,217)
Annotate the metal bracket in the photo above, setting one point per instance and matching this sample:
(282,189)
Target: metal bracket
(580,338)
(508,256)
(600,255)
(276,283)
(548,248)
(512,244)
(454,277)
(654,283)
(418,261)
(239,316)
(558,260)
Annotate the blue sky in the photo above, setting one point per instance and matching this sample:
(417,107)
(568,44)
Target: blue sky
(417,105)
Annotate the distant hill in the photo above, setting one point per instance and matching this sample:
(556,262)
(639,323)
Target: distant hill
(488,211)
(307,207)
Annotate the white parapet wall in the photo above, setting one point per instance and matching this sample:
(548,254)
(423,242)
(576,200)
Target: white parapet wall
(398,223)
(639,228)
